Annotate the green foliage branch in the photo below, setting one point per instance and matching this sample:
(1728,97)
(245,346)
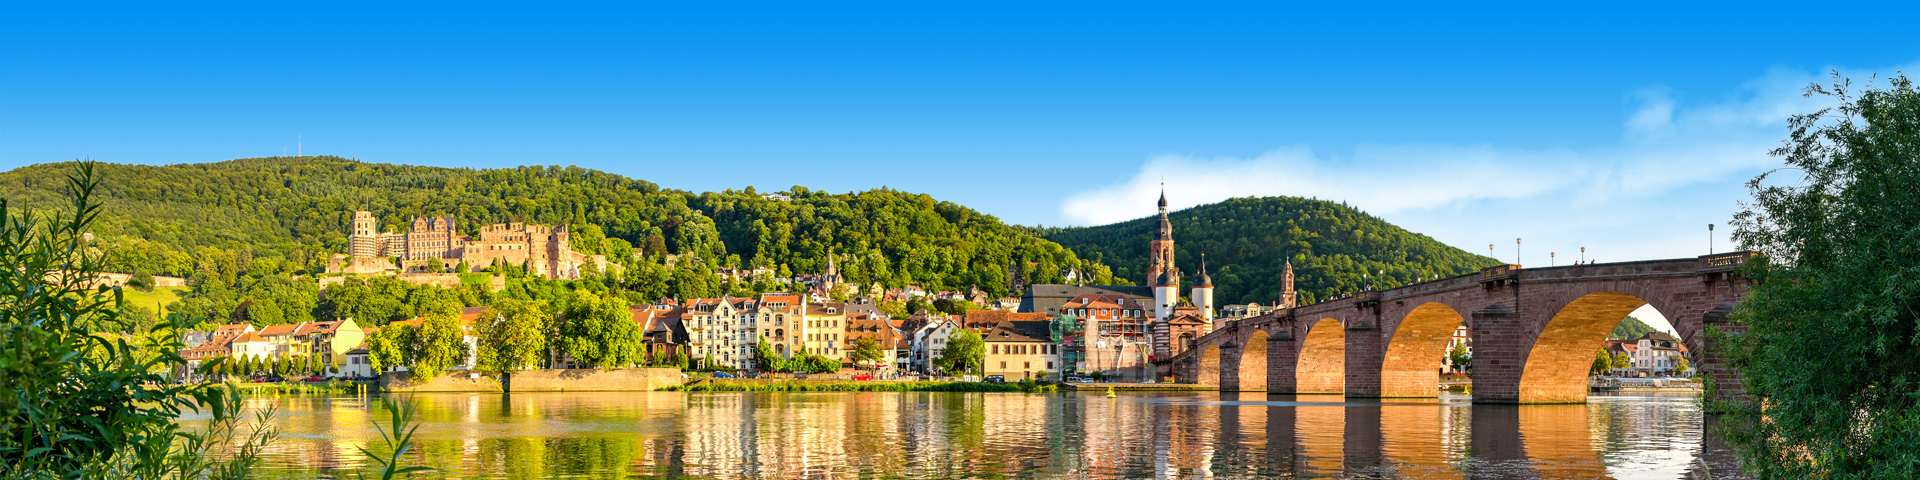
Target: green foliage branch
(1827,343)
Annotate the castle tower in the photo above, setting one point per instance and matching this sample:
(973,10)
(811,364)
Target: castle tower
(1203,292)
(1287,297)
(1160,250)
(363,236)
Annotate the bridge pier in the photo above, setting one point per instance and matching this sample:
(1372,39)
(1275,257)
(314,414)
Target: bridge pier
(1500,354)
(1365,350)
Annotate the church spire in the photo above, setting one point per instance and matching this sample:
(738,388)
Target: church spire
(1160,248)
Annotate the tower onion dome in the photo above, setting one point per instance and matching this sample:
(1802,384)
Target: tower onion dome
(1204,281)
(1167,279)
(1163,199)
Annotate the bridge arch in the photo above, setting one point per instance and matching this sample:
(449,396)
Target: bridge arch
(1209,373)
(1322,364)
(1250,368)
(1411,367)
(1557,365)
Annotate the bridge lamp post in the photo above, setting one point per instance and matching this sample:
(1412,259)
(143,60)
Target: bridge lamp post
(1583,254)
(1709,239)
(1516,252)
(1550,259)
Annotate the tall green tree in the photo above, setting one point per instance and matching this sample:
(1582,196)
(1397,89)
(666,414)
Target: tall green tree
(1621,362)
(438,345)
(387,347)
(599,331)
(964,353)
(513,337)
(1459,357)
(867,353)
(1601,362)
(1833,318)
(766,359)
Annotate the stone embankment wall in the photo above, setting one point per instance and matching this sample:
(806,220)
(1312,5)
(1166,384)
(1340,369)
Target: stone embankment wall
(567,380)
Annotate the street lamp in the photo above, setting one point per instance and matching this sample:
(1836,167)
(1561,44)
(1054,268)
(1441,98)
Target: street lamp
(1709,239)
(1516,252)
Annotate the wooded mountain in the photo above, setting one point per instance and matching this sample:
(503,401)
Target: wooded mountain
(257,216)
(1335,249)
(251,218)
(1631,328)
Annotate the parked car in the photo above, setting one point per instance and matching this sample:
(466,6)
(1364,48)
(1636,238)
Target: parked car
(1079,380)
(799,376)
(314,379)
(722,375)
(863,376)
(996,379)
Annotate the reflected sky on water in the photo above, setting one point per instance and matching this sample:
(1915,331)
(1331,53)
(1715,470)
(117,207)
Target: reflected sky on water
(1002,435)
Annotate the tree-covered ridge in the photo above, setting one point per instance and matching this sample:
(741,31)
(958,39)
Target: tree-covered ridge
(1335,249)
(262,216)
(1631,328)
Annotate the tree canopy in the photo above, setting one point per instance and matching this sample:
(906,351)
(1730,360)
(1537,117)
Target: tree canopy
(513,336)
(1833,316)
(263,216)
(599,331)
(964,353)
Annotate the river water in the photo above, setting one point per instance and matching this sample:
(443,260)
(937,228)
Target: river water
(1002,435)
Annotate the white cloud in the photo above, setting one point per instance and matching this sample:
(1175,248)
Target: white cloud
(1676,167)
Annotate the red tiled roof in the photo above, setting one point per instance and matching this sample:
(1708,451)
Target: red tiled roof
(984,320)
(278,330)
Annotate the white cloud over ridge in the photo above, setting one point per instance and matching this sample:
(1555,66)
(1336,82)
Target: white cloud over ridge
(1675,168)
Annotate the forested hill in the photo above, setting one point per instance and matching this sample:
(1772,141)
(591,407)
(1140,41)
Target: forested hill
(1335,249)
(263,216)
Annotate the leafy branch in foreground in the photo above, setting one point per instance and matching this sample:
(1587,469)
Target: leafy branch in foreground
(1833,318)
(399,440)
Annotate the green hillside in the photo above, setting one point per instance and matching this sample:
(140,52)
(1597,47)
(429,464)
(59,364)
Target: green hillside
(1334,248)
(285,215)
(1631,328)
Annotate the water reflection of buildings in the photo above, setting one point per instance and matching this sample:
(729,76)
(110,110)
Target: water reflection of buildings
(942,435)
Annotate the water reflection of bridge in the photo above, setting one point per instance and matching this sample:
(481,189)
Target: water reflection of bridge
(1255,435)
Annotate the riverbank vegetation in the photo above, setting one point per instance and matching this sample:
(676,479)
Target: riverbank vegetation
(83,392)
(1828,354)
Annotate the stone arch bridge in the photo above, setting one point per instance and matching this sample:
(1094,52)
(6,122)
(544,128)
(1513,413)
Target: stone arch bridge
(1534,332)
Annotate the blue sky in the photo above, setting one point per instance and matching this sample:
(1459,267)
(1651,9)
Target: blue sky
(1624,129)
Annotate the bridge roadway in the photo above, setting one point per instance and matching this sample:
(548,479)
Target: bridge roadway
(1534,332)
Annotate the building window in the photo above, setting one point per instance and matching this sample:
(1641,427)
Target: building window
(1003,365)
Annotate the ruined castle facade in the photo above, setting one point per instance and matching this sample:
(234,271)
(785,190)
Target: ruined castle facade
(544,250)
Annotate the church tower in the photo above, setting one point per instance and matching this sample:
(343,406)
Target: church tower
(1160,250)
(1287,297)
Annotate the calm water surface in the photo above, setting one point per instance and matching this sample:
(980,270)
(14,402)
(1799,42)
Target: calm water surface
(997,435)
